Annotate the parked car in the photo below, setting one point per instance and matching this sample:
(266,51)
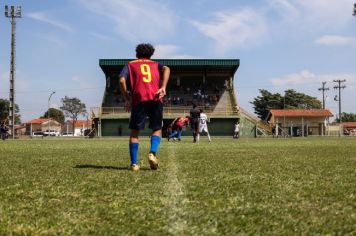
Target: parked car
(37,134)
(67,134)
(51,133)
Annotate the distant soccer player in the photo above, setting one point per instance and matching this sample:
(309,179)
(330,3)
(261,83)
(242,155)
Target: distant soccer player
(177,126)
(203,125)
(236,130)
(143,75)
(194,121)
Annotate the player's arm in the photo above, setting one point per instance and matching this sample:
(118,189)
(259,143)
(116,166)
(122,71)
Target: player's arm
(166,71)
(173,121)
(123,87)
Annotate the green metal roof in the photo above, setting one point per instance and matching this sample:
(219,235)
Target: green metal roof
(229,64)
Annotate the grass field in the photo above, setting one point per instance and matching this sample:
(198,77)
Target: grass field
(250,186)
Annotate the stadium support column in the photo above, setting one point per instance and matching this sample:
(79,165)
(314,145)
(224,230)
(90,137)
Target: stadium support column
(12,13)
(339,87)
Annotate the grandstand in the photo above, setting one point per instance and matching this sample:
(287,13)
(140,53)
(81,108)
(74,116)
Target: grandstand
(208,82)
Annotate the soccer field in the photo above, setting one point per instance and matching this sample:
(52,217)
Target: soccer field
(253,186)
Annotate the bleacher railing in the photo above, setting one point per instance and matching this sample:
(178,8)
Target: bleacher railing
(168,112)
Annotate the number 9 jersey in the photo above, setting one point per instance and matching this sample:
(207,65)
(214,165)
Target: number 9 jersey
(144,77)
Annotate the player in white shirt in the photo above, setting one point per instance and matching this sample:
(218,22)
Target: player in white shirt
(203,125)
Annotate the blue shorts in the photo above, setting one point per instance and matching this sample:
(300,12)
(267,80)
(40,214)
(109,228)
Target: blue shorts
(151,109)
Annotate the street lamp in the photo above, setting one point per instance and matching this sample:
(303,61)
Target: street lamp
(49,125)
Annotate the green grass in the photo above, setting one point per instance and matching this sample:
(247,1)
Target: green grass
(250,186)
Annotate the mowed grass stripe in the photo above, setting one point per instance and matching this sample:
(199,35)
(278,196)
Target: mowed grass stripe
(175,200)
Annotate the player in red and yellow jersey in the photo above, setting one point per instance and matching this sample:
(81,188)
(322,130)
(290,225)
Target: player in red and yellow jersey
(147,92)
(177,127)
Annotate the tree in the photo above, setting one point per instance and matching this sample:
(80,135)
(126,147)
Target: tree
(72,108)
(55,114)
(347,117)
(4,111)
(291,100)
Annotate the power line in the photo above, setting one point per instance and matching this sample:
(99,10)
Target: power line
(323,89)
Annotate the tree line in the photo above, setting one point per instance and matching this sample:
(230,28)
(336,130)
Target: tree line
(71,108)
(291,99)
(262,104)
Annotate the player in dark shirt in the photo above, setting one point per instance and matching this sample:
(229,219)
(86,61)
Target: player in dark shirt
(194,121)
(143,75)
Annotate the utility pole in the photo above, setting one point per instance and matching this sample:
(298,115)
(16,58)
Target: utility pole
(12,13)
(323,89)
(339,86)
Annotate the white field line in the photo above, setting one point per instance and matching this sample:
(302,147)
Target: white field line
(175,198)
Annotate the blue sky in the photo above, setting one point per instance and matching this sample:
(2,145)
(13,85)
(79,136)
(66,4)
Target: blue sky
(281,44)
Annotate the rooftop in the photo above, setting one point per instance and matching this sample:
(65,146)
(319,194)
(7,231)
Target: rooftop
(37,121)
(301,112)
(230,65)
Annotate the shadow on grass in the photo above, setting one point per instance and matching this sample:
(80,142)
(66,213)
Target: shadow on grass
(89,166)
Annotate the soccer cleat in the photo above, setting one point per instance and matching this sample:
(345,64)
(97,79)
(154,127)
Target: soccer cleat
(153,161)
(134,167)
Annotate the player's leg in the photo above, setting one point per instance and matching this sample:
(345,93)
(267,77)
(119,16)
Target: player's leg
(196,133)
(155,115)
(207,132)
(133,146)
(175,132)
(179,133)
(155,141)
(137,122)
(199,131)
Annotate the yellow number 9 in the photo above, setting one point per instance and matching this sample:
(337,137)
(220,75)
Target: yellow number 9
(146,72)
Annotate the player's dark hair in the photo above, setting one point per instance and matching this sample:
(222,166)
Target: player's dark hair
(144,50)
(201,110)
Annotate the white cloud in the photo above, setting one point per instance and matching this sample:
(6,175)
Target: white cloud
(335,40)
(285,8)
(234,29)
(101,36)
(137,20)
(307,78)
(79,83)
(170,52)
(43,17)
(312,16)
(55,40)
(76,78)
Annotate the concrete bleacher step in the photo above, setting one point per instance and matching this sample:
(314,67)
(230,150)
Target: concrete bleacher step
(225,103)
